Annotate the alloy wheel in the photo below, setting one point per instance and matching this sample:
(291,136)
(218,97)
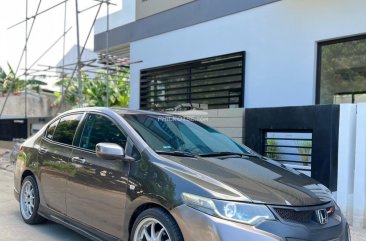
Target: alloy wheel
(150,229)
(27,200)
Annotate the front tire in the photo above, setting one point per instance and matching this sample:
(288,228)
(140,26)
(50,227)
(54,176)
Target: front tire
(29,201)
(155,224)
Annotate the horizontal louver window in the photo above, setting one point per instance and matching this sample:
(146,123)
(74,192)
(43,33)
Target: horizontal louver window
(216,82)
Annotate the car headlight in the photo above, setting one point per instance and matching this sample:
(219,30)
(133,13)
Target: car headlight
(246,213)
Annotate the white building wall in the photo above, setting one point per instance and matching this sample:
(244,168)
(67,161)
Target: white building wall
(70,59)
(38,105)
(279,40)
(122,17)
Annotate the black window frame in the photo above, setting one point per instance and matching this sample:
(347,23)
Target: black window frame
(321,44)
(49,125)
(189,65)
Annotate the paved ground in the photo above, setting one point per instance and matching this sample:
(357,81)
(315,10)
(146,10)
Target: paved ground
(12,226)
(5,160)
(358,234)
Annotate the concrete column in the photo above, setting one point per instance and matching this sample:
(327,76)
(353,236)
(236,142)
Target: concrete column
(134,86)
(359,203)
(346,157)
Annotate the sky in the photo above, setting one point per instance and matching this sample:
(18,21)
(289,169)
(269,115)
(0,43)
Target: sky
(48,27)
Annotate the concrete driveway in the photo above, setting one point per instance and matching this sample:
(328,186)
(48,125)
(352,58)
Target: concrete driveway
(12,226)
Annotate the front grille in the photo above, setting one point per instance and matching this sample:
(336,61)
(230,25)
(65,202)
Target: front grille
(295,216)
(300,216)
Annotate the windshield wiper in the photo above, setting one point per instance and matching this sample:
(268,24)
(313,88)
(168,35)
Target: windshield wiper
(226,153)
(175,153)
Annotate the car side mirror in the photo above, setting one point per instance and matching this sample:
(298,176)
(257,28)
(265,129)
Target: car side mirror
(109,151)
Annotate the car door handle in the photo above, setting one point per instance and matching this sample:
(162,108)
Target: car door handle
(78,159)
(42,150)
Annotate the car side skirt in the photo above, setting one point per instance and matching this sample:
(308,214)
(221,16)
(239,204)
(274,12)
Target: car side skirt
(89,232)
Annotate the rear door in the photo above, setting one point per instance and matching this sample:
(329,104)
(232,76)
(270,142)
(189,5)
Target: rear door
(54,160)
(97,189)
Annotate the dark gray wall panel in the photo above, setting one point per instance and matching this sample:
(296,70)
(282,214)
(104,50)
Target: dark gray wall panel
(321,120)
(184,16)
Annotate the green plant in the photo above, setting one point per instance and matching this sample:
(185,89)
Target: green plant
(10,82)
(304,149)
(94,90)
(272,148)
(35,85)
(2,79)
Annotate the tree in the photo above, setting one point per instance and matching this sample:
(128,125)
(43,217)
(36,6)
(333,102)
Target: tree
(305,150)
(95,89)
(272,148)
(12,82)
(2,78)
(9,81)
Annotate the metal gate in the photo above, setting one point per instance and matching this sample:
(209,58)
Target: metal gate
(11,129)
(293,149)
(304,137)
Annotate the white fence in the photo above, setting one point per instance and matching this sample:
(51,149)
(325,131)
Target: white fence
(351,193)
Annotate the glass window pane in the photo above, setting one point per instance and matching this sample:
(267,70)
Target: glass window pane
(51,129)
(360,98)
(66,129)
(99,129)
(343,72)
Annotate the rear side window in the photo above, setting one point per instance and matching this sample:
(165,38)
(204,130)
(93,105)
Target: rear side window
(99,129)
(51,129)
(66,129)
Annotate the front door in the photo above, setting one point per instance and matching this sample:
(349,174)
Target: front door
(97,190)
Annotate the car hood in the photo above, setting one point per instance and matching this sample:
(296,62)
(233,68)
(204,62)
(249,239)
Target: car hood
(258,180)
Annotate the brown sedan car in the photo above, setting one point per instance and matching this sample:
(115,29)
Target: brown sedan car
(115,174)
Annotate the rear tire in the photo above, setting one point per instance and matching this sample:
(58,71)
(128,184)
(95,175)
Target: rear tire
(29,201)
(155,224)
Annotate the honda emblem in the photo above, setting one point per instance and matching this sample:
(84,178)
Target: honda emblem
(322,216)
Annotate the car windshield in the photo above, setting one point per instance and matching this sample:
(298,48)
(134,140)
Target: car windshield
(174,134)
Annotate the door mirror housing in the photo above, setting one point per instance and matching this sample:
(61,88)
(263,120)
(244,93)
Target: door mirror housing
(109,151)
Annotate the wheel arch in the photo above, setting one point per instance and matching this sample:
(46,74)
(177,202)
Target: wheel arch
(25,174)
(142,208)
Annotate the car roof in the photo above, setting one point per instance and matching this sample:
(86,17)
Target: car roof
(120,111)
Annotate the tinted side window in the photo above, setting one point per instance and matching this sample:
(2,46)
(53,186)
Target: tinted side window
(66,129)
(100,129)
(51,129)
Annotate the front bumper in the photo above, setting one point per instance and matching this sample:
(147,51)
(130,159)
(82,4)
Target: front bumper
(196,225)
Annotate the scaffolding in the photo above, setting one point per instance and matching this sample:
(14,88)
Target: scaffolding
(104,61)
